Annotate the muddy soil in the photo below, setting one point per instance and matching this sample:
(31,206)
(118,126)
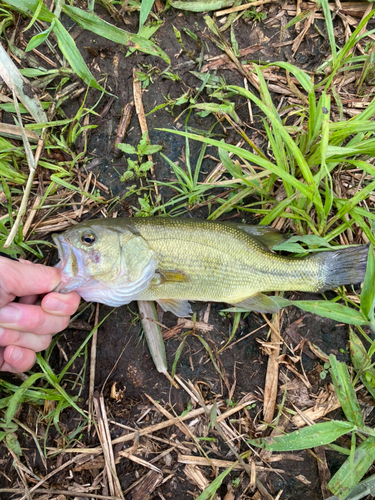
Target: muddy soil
(124,369)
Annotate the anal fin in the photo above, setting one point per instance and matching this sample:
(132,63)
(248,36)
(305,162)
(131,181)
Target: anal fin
(180,308)
(259,303)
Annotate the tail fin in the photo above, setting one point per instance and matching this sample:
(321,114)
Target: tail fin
(343,267)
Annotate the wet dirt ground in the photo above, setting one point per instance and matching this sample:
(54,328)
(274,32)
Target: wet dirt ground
(123,363)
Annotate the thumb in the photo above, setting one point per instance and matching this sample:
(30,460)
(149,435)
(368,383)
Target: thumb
(19,279)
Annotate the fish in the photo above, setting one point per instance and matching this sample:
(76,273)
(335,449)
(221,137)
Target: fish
(177,260)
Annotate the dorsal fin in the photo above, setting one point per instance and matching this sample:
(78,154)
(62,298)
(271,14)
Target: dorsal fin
(265,235)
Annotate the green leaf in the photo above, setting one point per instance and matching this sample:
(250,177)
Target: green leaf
(301,17)
(72,55)
(362,362)
(353,469)
(97,25)
(127,148)
(201,6)
(331,35)
(151,149)
(177,357)
(327,309)
(289,246)
(146,166)
(17,397)
(146,6)
(212,488)
(308,437)
(345,391)
(247,155)
(309,239)
(39,39)
(303,78)
(368,289)
(13,444)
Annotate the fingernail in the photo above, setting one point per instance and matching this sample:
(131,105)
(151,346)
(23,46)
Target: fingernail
(53,305)
(15,353)
(10,314)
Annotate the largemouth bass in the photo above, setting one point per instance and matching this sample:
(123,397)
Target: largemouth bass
(175,260)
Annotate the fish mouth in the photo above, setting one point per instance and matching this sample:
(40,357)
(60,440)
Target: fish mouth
(70,265)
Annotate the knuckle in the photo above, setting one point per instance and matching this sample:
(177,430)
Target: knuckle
(64,323)
(45,341)
(8,337)
(36,320)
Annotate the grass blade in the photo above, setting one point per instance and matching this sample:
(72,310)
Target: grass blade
(17,397)
(72,55)
(94,23)
(327,309)
(368,289)
(202,5)
(308,437)
(362,362)
(331,35)
(247,155)
(146,6)
(345,391)
(350,473)
(212,488)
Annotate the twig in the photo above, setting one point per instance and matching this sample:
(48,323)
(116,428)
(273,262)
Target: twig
(272,375)
(77,459)
(105,439)
(94,342)
(122,128)
(224,464)
(161,425)
(241,7)
(61,492)
(137,94)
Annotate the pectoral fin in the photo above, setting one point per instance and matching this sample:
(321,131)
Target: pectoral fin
(180,308)
(259,303)
(162,276)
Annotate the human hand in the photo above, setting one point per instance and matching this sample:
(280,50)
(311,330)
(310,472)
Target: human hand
(27,326)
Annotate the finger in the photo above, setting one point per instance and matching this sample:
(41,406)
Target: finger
(19,279)
(30,318)
(24,339)
(29,299)
(61,304)
(16,359)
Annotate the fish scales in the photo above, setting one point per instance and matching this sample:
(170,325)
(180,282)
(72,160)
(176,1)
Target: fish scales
(222,262)
(174,260)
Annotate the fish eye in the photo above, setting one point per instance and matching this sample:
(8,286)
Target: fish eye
(88,238)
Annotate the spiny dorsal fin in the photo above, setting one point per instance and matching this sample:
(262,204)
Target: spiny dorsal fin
(266,235)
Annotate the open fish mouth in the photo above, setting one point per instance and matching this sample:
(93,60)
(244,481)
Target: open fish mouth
(70,265)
